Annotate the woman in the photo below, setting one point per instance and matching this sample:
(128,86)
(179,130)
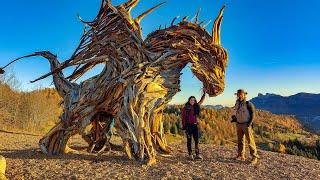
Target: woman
(190,123)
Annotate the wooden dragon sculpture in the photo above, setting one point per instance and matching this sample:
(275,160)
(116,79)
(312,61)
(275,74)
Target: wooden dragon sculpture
(139,78)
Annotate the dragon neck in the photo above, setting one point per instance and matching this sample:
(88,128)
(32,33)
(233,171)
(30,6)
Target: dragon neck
(172,49)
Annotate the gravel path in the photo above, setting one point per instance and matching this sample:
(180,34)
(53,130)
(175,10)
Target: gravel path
(24,161)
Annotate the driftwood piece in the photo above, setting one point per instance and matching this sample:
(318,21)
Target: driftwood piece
(139,78)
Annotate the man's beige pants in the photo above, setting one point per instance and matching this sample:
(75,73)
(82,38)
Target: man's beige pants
(245,132)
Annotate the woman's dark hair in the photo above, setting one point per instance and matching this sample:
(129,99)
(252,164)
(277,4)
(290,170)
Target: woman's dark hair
(196,106)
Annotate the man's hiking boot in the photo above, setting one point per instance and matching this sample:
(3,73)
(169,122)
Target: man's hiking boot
(254,161)
(198,157)
(190,156)
(240,158)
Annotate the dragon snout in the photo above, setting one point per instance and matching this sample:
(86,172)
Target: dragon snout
(214,90)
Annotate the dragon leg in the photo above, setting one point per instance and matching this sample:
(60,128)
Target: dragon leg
(55,141)
(123,131)
(157,131)
(100,133)
(137,140)
(142,127)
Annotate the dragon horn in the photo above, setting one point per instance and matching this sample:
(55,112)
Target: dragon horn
(131,4)
(104,2)
(196,17)
(174,19)
(216,27)
(104,5)
(140,17)
(205,25)
(185,18)
(83,21)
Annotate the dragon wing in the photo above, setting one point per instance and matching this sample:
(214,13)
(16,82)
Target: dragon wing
(112,29)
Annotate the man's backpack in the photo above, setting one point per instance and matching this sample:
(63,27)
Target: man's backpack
(249,107)
(251,111)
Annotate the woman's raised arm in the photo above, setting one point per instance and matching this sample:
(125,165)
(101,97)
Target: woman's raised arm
(202,97)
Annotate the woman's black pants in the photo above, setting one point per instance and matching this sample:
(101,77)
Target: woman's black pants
(192,131)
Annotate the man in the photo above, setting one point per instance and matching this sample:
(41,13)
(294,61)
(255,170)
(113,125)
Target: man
(244,115)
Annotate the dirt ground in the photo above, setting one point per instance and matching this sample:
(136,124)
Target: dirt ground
(24,161)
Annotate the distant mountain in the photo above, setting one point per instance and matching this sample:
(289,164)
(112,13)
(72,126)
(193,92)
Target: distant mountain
(305,106)
(213,106)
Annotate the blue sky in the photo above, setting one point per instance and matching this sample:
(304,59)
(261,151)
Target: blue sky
(273,45)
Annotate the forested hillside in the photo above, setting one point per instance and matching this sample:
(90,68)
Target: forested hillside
(34,111)
(305,106)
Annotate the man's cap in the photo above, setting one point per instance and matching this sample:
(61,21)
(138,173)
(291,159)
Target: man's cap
(241,91)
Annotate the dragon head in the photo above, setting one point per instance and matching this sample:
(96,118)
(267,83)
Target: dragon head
(208,57)
(190,42)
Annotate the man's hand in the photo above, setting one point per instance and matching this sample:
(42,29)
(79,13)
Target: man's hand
(233,118)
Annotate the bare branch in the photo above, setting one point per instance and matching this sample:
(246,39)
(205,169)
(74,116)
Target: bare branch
(174,19)
(140,17)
